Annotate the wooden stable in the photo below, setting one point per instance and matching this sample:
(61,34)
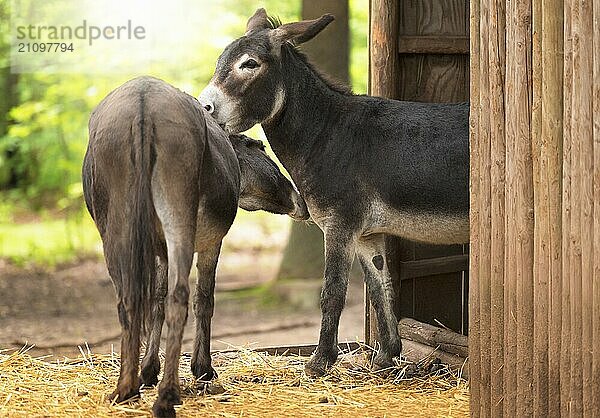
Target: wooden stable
(419,51)
(535,208)
(534,278)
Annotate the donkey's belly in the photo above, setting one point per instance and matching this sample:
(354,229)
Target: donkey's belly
(430,227)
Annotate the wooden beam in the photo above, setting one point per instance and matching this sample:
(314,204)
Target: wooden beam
(447,340)
(383,48)
(433,44)
(430,266)
(416,352)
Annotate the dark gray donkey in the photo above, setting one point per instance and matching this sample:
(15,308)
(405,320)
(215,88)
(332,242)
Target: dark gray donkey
(366,166)
(162,180)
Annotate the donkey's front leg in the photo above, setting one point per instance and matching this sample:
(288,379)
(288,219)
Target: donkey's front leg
(204,304)
(339,252)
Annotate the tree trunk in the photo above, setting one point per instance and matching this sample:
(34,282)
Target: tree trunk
(329,51)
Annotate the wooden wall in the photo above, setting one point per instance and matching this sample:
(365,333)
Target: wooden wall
(535,208)
(419,52)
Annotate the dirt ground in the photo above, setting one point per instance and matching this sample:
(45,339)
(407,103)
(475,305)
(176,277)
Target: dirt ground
(60,310)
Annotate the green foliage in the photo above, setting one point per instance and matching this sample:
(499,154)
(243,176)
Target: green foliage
(43,129)
(49,241)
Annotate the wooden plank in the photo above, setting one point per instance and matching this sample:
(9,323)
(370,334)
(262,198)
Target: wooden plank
(384,48)
(497,62)
(485,212)
(510,291)
(576,393)
(551,166)
(583,69)
(523,195)
(437,300)
(565,357)
(432,266)
(474,250)
(596,176)
(430,44)
(433,77)
(541,265)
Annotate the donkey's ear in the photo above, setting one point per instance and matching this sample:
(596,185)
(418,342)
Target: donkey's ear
(259,21)
(300,32)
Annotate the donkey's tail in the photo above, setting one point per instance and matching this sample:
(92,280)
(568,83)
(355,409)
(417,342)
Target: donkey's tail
(138,282)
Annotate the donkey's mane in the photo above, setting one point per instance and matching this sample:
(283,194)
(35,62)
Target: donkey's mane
(329,81)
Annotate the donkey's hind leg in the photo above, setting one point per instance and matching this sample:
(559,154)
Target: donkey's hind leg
(128,384)
(371,254)
(176,211)
(151,361)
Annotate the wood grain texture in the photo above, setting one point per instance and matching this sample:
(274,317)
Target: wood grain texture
(432,266)
(541,266)
(485,213)
(430,44)
(474,319)
(576,389)
(596,177)
(425,75)
(383,48)
(565,357)
(551,184)
(583,72)
(510,291)
(497,63)
(550,246)
(522,192)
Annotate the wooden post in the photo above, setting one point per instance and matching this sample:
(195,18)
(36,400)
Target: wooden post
(565,357)
(485,214)
(583,73)
(541,266)
(596,177)
(522,192)
(576,389)
(510,293)
(383,82)
(550,189)
(497,63)
(383,48)
(474,319)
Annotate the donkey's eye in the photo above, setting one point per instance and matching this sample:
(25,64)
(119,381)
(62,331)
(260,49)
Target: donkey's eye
(250,63)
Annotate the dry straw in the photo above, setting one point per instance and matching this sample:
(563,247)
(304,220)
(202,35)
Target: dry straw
(250,384)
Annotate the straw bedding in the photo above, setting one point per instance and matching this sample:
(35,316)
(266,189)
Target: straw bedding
(250,384)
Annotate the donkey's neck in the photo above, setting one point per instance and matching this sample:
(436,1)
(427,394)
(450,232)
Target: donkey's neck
(304,125)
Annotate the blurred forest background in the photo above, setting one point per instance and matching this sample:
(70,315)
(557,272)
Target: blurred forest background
(43,133)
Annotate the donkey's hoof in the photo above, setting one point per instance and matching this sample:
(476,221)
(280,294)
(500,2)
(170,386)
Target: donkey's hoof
(319,365)
(383,361)
(164,405)
(204,374)
(126,396)
(161,410)
(149,375)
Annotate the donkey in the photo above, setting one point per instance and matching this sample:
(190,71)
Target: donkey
(367,166)
(161,181)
